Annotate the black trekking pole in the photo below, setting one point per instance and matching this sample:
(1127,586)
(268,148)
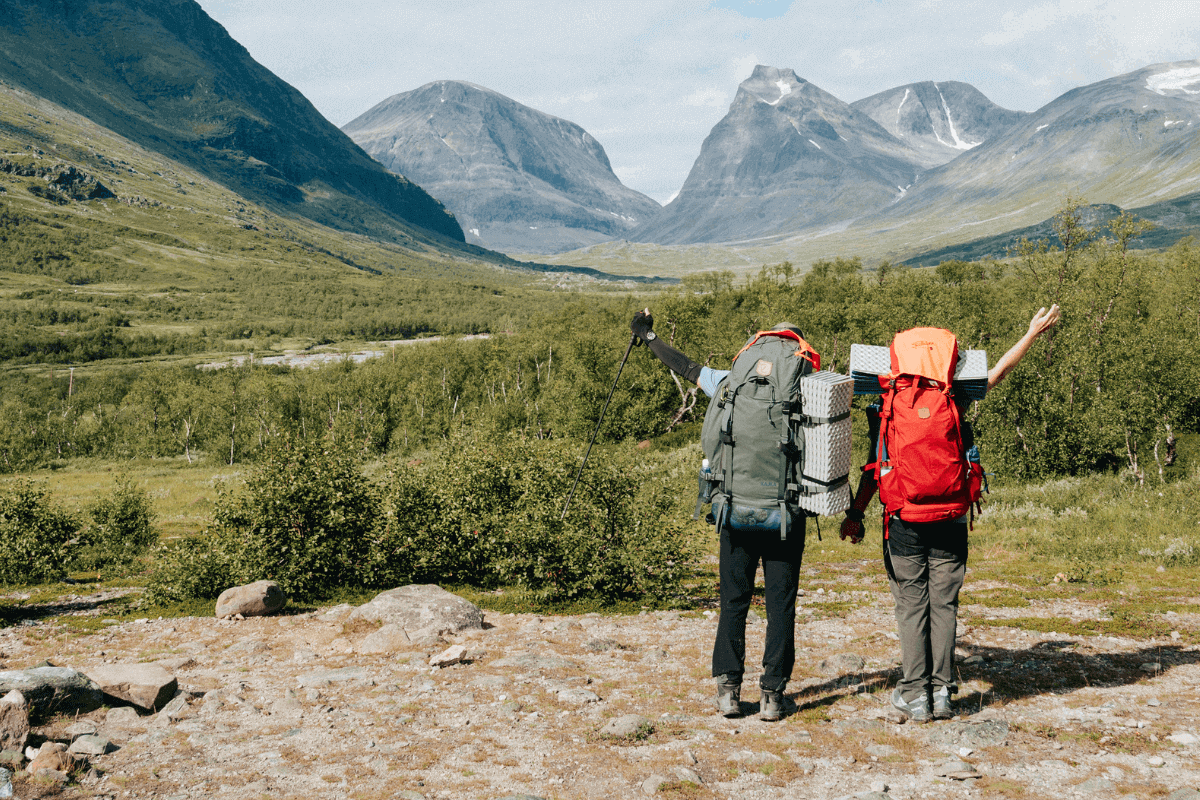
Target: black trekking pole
(632,341)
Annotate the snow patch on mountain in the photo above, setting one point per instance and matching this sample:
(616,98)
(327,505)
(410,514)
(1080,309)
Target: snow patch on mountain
(784,91)
(904,99)
(814,144)
(1175,80)
(959,144)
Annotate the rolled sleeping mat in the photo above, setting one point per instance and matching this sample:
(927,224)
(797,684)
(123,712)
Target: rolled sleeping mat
(868,362)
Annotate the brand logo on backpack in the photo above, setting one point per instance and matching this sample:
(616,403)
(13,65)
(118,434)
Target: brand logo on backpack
(763,368)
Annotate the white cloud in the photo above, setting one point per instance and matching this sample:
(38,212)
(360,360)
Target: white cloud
(650,79)
(707,97)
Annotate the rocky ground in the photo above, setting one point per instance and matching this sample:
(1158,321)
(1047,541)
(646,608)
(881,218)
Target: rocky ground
(328,704)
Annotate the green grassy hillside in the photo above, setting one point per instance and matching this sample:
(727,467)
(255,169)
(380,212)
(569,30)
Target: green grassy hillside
(168,77)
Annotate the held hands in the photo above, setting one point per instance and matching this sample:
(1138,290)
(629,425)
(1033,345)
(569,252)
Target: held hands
(1044,320)
(852,529)
(642,324)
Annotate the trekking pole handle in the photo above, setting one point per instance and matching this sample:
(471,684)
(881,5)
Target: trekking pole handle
(632,341)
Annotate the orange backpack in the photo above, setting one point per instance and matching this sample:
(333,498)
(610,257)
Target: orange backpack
(921,466)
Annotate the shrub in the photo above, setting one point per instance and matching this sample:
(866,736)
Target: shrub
(36,538)
(305,519)
(487,512)
(122,529)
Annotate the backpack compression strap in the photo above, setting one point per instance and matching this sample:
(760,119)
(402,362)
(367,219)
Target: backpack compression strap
(803,349)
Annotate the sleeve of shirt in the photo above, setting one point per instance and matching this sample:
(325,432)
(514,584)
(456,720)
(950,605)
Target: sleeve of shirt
(710,379)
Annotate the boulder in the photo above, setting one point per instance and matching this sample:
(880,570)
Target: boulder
(14,721)
(147,686)
(388,639)
(51,690)
(252,600)
(423,611)
(628,726)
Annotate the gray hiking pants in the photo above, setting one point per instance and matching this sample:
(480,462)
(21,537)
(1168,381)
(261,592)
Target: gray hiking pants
(926,564)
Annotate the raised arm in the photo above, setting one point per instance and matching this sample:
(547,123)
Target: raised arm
(1042,321)
(643,327)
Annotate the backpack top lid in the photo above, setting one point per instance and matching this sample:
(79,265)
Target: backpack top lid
(803,349)
(926,352)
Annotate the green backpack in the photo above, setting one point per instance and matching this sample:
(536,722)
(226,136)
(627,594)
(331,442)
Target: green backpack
(752,437)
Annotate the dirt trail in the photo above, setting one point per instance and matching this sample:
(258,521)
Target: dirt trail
(285,707)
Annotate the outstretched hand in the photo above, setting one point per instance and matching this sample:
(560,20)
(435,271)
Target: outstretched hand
(852,529)
(642,324)
(1044,320)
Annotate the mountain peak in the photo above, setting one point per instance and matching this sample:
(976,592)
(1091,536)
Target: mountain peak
(518,179)
(1175,79)
(772,84)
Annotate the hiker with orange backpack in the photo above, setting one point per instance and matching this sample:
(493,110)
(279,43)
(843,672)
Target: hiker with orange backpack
(926,469)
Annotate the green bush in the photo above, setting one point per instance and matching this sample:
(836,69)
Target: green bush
(36,537)
(486,512)
(122,529)
(304,519)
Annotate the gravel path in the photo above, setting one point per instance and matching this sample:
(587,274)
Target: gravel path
(606,707)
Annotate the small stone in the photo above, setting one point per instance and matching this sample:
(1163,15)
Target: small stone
(14,722)
(972,661)
(578,696)
(83,727)
(652,784)
(1153,702)
(1156,761)
(880,750)
(627,727)
(1175,635)
(1151,666)
(1182,737)
(963,752)
(123,717)
(688,776)
(880,787)
(52,757)
(841,664)
(175,711)
(1183,794)
(988,733)
(451,655)
(89,745)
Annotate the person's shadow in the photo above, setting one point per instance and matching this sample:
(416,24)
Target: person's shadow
(1043,668)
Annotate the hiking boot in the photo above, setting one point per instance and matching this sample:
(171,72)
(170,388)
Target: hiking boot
(916,710)
(770,708)
(729,697)
(941,703)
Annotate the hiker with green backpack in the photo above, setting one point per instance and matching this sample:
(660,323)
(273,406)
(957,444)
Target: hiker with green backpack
(754,476)
(926,469)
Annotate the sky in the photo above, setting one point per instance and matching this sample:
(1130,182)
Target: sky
(650,78)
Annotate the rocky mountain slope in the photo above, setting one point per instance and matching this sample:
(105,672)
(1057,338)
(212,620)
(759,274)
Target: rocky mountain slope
(166,76)
(787,157)
(940,121)
(517,179)
(1130,141)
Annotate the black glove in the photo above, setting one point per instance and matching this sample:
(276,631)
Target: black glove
(642,326)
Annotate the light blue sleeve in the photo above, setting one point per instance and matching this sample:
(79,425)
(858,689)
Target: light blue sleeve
(710,379)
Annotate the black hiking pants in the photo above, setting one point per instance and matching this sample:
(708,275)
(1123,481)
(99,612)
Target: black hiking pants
(741,552)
